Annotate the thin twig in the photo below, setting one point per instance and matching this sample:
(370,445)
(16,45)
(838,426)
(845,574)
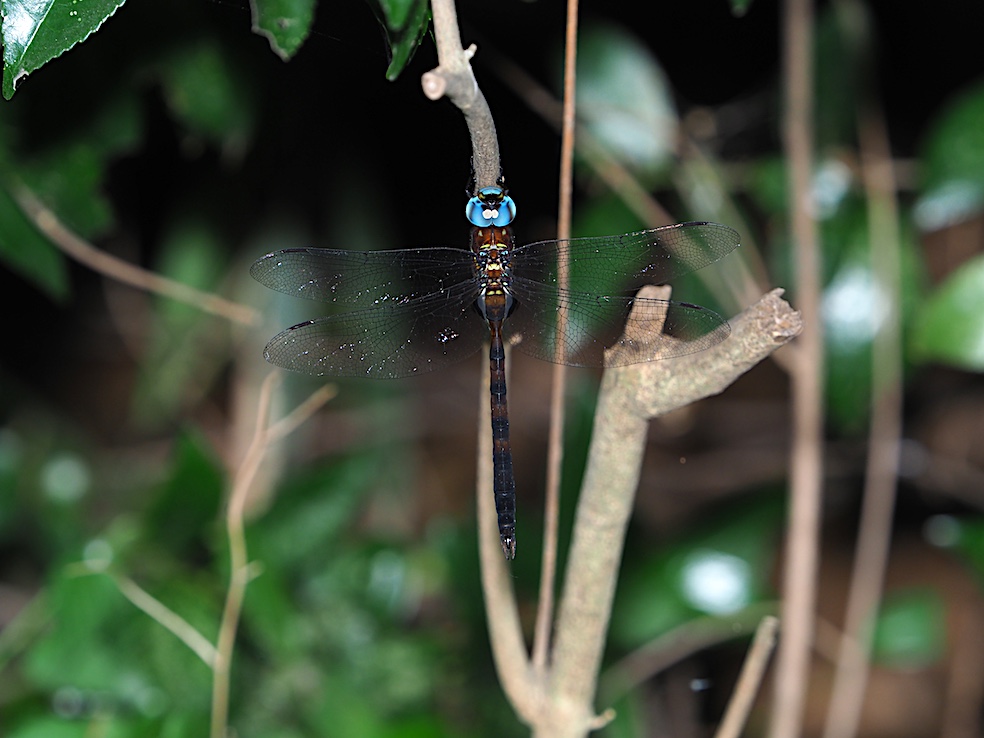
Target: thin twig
(240,571)
(521,685)
(675,645)
(881,474)
(555,442)
(174,623)
(806,462)
(749,680)
(454,79)
(110,266)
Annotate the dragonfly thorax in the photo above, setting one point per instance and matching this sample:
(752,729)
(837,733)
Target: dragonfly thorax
(490,247)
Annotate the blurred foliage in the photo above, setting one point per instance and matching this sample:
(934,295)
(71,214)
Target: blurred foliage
(178,139)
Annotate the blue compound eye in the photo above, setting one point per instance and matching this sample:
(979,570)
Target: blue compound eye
(491,206)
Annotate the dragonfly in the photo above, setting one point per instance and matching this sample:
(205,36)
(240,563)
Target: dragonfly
(399,313)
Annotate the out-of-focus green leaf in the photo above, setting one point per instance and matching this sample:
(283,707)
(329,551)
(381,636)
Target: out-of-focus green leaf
(312,511)
(910,632)
(68,180)
(837,67)
(36,31)
(24,250)
(720,570)
(284,23)
(188,503)
(404,22)
(950,328)
(855,307)
(50,727)
(952,164)
(186,345)
(624,99)
(740,7)
(964,534)
(100,644)
(76,650)
(210,93)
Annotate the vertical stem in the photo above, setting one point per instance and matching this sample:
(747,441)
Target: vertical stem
(875,529)
(238,565)
(555,444)
(802,538)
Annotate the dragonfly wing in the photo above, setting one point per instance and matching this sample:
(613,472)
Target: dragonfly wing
(643,329)
(620,265)
(356,280)
(385,342)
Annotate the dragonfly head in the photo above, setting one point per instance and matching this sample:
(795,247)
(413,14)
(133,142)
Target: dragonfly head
(490,206)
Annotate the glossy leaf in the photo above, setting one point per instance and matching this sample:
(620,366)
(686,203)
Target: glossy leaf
(953,164)
(624,99)
(36,31)
(951,323)
(404,22)
(284,23)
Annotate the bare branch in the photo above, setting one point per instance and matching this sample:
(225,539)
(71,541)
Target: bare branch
(110,266)
(453,78)
(630,397)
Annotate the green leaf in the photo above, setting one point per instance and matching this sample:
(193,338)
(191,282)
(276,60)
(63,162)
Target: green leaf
(404,22)
(951,324)
(856,304)
(208,91)
(185,348)
(284,23)
(910,632)
(36,31)
(952,163)
(624,98)
(740,7)
(25,251)
(68,179)
(188,504)
(718,570)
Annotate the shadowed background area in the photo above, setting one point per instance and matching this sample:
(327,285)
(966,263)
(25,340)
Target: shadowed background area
(176,140)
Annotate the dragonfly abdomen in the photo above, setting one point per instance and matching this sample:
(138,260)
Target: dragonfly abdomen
(504,483)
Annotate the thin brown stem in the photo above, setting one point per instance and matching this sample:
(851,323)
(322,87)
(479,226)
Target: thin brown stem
(750,679)
(521,685)
(802,535)
(240,571)
(555,443)
(678,644)
(454,79)
(881,474)
(110,266)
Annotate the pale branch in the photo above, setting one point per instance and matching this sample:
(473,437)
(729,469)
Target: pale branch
(630,397)
(453,78)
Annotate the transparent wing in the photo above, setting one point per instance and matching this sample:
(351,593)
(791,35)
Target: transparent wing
(357,280)
(644,329)
(620,265)
(385,342)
